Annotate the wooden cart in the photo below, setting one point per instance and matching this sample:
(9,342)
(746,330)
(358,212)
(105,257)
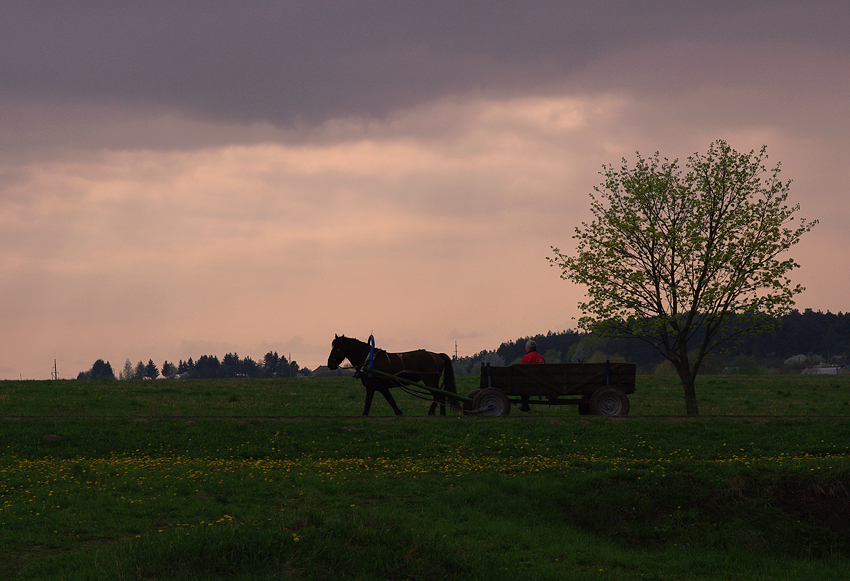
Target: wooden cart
(596,388)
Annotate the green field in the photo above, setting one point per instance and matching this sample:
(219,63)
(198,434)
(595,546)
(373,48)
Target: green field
(282,479)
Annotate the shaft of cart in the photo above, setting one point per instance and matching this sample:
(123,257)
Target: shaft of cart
(422,386)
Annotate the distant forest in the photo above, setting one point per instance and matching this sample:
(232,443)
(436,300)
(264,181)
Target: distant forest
(206,367)
(801,340)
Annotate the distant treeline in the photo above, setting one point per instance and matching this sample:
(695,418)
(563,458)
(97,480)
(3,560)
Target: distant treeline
(206,367)
(801,339)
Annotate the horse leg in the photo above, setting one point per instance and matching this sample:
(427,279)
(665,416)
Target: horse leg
(389,397)
(439,399)
(370,391)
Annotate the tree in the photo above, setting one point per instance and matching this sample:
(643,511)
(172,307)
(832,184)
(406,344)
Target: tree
(275,365)
(127,373)
(169,370)
(271,361)
(187,367)
(99,371)
(207,366)
(230,365)
(686,262)
(151,370)
(295,370)
(249,368)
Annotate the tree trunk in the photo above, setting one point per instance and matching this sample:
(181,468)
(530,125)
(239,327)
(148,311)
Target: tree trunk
(688,378)
(690,396)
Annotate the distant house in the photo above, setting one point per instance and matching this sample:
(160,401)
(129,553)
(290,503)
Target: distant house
(324,371)
(830,370)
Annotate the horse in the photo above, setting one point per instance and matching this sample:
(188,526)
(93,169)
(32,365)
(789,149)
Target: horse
(420,365)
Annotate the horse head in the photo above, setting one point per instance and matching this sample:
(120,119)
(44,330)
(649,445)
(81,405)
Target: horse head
(338,352)
(347,348)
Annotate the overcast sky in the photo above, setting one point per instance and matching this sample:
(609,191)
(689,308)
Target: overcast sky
(199,178)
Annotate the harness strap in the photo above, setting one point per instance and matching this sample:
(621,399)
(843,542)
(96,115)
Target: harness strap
(369,363)
(371,353)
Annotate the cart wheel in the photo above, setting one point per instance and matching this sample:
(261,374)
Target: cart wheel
(492,402)
(609,402)
(467,405)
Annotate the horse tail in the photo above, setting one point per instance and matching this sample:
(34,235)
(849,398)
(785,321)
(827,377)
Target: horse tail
(448,374)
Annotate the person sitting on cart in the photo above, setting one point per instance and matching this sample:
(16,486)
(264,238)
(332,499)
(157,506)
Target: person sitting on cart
(531,354)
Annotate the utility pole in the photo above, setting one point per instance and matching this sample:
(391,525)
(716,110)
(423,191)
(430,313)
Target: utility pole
(55,373)
(455,350)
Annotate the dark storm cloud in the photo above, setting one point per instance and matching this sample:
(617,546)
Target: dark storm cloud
(308,61)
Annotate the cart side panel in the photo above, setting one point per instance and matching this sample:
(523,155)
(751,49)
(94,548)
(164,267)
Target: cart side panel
(554,379)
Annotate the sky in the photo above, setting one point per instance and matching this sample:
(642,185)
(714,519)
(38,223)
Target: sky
(202,178)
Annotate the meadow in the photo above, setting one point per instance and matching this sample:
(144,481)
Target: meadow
(282,479)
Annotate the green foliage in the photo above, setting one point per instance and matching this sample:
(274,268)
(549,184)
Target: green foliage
(553,356)
(671,255)
(745,365)
(602,357)
(513,351)
(715,362)
(810,334)
(665,369)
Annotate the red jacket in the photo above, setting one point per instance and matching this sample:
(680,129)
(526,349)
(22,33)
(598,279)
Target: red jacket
(533,357)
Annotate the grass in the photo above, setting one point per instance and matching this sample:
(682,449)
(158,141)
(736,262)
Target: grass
(279,479)
(766,395)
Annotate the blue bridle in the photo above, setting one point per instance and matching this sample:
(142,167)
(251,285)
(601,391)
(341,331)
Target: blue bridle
(371,353)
